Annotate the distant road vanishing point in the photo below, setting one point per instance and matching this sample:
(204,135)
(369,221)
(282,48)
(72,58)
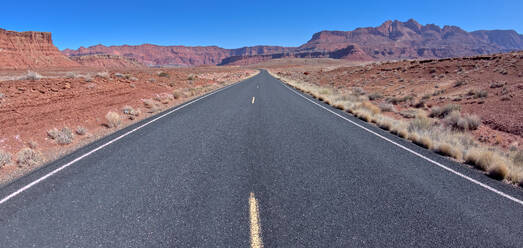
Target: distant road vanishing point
(257,164)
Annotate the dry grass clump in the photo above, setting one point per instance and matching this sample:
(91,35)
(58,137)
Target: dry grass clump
(448,150)
(442,112)
(462,122)
(375,96)
(163,74)
(386,107)
(28,157)
(422,140)
(486,160)
(61,137)
(5,158)
(164,98)
(152,105)
(131,112)
(103,74)
(420,123)
(81,130)
(31,75)
(498,170)
(113,119)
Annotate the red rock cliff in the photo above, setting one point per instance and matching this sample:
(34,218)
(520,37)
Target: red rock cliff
(25,50)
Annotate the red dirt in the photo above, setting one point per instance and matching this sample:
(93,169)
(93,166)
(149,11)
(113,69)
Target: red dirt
(29,108)
(500,75)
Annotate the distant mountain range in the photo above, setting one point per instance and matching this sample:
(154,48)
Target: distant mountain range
(392,40)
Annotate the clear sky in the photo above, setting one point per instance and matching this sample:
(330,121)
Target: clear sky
(233,24)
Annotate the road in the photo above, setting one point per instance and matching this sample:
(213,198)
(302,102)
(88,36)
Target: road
(257,164)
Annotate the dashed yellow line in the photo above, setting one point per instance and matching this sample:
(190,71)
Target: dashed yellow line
(256,240)
(253,98)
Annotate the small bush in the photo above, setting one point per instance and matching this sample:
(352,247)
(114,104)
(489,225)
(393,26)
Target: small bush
(386,107)
(375,96)
(81,130)
(498,170)
(152,105)
(191,77)
(119,75)
(61,137)
(358,91)
(448,150)
(421,140)
(459,83)
(102,74)
(113,119)
(5,158)
(31,75)
(163,74)
(463,123)
(494,85)
(131,112)
(28,157)
(478,93)
(420,123)
(479,159)
(442,112)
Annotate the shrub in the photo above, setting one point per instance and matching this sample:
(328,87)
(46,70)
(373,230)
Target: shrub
(61,137)
(358,91)
(102,74)
(119,75)
(479,159)
(448,150)
(31,75)
(5,158)
(386,107)
(441,112)
(191,77)
(163,74)
(28,157)
(497,84)
(498,170)
(113,119)
(370,107)
(518,158)
(421,140)
(478,93)
(420,123)
(375,96)
(459,83)
(131,112)
(2,96)
(152,105)
(463,123)
(81,130)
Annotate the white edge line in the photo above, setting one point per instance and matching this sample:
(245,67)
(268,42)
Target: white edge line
(413,152)
(26,187)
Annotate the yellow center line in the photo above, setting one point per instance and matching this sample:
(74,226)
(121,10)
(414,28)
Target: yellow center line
(253,100)
(256,240)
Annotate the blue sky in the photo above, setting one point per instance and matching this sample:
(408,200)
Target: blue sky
(233,24)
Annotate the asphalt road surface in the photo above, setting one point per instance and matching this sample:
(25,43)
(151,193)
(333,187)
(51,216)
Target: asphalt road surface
(257,164)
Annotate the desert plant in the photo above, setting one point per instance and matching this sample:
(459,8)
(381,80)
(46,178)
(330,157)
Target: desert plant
(31,75)
(442,112)
(103,74)
(498,170)
(28,157)
(81,130)
(386,107)
(420,123)
(375,96)
(459,83)
(61,137)
(5,158)
(119,75)
(358,91)
(163,74)
(448,150)
(462,122)
(113,119)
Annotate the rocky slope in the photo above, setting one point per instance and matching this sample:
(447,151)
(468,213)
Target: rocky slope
(154,55)
(107,61)
(28,50)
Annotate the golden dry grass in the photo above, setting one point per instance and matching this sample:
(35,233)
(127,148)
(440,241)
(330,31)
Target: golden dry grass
(113,119)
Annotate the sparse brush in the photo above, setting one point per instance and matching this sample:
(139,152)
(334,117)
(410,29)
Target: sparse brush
(103,74)
(518,158)
(480,159)
(462,122)
(386,107)
(373,109)
(163,74)
(113,119)
(61,137)
(442,112)
(152,105)
(448,150)
(358,91)
(375,96)
(28,157)
(420,123)
(5,158)
(459,83)
(164,98)
(421,140)
(31,75)
(131,112)
(191,77)
(81,130)
(134,79)
(119,75)
(498,170)
(478,93)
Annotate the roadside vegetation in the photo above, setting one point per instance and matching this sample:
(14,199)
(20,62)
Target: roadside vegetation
(444,130)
